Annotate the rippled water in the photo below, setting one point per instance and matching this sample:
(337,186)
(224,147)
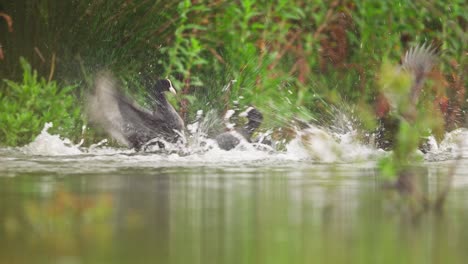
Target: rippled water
(60,203)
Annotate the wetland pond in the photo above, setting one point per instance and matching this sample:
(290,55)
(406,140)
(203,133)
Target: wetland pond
(243,206)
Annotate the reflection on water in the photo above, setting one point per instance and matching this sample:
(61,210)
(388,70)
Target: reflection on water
(294,213)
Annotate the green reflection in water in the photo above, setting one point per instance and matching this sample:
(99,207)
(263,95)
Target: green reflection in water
(205,215)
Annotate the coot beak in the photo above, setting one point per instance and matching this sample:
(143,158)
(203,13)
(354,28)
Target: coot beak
(246,112)
(172,90)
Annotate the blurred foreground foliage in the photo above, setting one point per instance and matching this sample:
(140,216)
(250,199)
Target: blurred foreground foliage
(290,59)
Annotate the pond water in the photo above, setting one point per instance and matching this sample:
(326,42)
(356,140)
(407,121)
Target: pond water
(244,206)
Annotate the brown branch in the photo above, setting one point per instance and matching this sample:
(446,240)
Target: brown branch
(328,16)
(52,67)
(8,20)
(217,56)
(38,52)
(287,47)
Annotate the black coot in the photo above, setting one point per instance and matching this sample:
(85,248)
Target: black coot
(129,123)
(229,140)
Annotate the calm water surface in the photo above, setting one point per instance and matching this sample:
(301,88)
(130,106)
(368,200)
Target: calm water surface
(128,208)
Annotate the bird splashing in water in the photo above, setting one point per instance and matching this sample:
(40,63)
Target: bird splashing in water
(129,123)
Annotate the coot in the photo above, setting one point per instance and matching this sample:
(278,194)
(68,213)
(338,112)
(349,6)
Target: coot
(129,123)
(229,140)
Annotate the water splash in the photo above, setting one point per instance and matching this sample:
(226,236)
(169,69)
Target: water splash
(312,144)
(328,145)
(51,145)
(454,145)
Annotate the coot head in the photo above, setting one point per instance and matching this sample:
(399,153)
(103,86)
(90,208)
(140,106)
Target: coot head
(254,115)
(163,85)
(229,140)
(255,119)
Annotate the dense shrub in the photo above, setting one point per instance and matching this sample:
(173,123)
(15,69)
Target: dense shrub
(26,106)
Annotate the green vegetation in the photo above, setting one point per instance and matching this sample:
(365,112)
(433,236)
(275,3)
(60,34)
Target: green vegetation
(290,59)
(25,107)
